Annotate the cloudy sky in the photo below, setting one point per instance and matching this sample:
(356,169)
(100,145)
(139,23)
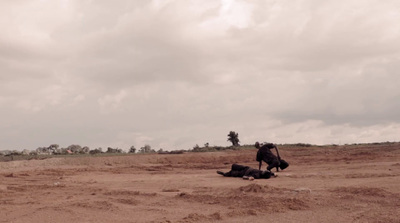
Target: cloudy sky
(176,73)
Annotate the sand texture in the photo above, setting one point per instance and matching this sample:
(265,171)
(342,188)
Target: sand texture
(329,184)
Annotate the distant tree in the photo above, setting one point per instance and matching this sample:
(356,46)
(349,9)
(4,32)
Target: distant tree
(53,147)
(112,150)
(25,152)
(132,149)
(85,150)
(45,150)
(206,144)
(233,137)
(96,151)
(146,149)
(74,148)
(196,147)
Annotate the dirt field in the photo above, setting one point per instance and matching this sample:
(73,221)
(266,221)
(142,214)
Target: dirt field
(329,184)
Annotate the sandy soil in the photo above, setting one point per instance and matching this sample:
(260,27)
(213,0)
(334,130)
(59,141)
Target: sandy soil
(329,184)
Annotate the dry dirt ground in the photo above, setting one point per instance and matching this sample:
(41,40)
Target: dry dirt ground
(328,184)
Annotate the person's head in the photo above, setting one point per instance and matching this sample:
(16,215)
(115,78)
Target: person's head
(257,145)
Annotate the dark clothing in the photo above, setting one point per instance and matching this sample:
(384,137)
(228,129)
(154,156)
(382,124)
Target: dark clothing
(241,171)
(264,154)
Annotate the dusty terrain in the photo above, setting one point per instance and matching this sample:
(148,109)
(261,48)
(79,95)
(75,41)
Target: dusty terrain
(329,184)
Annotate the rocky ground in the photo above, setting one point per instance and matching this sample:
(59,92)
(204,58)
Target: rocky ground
(357,183)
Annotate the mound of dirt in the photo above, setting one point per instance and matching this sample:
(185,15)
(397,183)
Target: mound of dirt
(251,199)
(128,193)
(194,217)
(255,188)
(294,204)
(363,191)
(95,205)
(128,201)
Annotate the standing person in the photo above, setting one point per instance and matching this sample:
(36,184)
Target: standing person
(264,154)
(247,173)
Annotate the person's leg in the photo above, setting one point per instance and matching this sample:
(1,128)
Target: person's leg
(221,173)
(236,171)
(227,174)
(272,164)
(278,163)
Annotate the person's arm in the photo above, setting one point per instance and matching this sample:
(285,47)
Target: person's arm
(277,152)
(259,165)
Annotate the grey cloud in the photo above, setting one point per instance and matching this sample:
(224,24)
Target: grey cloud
(363,99)
(313,37)
(138,48)
(180,73)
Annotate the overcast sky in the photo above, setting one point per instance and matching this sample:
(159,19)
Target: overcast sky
(176,73)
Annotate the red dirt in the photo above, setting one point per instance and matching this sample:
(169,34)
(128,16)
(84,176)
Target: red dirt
(322,184)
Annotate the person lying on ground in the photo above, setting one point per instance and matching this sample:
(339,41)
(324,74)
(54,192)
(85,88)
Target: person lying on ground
(247,173)
(265,154)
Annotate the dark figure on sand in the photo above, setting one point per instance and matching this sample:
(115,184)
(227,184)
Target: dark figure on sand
(247,173)
(265,154)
